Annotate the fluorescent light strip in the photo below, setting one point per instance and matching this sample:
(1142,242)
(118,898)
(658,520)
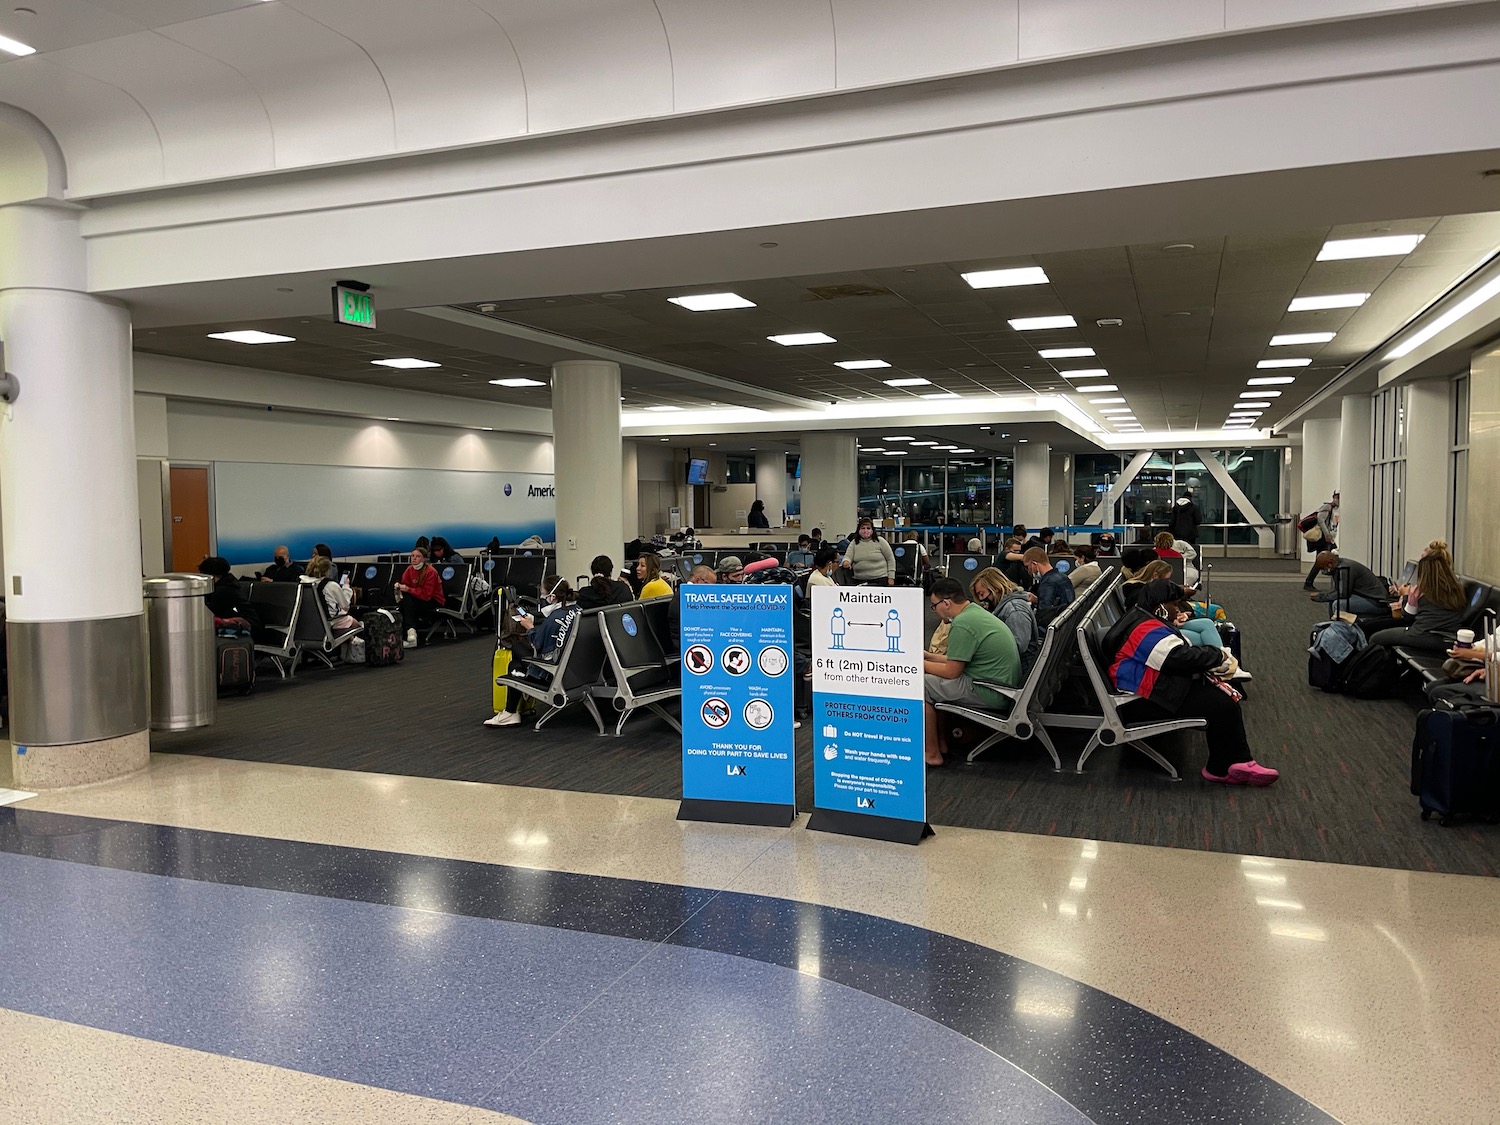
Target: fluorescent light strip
(712,302)
(662,409)
(899,437)
(907,382)
(1065,353)
(1255,406)
(1331,301)
(931,443)
(1004,279)
(861,364)
(800,339)
(1387,246)
(1463,308)
(1105,401)
(1086,373)
(518,382)
(1273,364)
(965,451)
(251,336)
(1117,410)
(1271,381)
(1288,338)
(15,47)
(1042,323)
(896,453)
(1260,394)
(405,364)
(941,394)
(1095,388)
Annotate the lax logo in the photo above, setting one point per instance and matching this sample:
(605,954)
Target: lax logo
(735,771)
(864,802)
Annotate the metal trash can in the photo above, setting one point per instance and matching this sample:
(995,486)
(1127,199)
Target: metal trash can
(184,687)
(1287,536)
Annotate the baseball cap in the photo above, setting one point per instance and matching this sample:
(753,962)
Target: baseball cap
(729,564)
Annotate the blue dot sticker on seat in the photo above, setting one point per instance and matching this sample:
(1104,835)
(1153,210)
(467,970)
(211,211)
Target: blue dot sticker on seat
(447,573)
(971,564)
(489,564)
(369,572)
(900,552)
(629,623)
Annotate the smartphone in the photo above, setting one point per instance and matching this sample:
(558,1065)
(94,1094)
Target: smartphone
(518,617)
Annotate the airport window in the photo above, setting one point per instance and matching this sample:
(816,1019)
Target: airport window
(1387,481)
(953,493)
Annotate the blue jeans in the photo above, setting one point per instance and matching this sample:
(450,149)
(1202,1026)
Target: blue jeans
(1361,606)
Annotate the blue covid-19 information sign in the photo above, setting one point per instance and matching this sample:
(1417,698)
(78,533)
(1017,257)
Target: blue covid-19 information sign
(869,778)
(737,700)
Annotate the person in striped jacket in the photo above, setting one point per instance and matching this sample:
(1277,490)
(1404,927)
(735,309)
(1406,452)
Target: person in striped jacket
(1149,658)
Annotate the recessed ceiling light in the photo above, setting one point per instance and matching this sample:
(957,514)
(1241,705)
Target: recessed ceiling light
(908,382)
(1272,364)
(1260,394)
(517,382)
(1331,301)
(712,302)
(898,437)
(947,448)
(1255,406)
(1178,247)
(1117,410)
(798,339)
(1271,381)
(1093,388)
(933,443)
(486,427)
(965,451)
(660,409)
(15,47)
(1065,353)
(896,453)
(1086,373)
(1040,323)
(941,394)
(1300,338)
(1000,279)
(405,364)
(251,336)
(871,449)
(1106,401)
(1388,246)
(861,364)
(1023,441)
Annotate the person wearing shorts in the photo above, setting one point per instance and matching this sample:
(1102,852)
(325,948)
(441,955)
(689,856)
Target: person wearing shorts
(981,648)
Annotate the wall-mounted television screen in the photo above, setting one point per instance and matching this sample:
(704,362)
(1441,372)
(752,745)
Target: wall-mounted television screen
(697,471)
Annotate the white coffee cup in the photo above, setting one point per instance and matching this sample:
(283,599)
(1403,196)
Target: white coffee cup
(1466,638)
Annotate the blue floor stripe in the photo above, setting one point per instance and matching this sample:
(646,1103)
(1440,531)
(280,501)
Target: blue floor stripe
(1111,1060)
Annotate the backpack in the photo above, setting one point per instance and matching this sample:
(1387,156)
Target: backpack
(383,638)
(1370,673)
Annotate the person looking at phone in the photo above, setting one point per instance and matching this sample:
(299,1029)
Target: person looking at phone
(545,640)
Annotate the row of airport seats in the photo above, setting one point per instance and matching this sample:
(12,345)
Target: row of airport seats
(965,567)
(1073,642)
(619,657)
(1427,667)
(297,616)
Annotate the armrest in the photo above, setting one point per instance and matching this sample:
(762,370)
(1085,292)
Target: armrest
(1011,693)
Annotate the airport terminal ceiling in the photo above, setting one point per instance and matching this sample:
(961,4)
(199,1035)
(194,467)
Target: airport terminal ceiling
(1171,332)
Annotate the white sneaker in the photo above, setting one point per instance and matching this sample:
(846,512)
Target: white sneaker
(504,719)
(1243,676)
(411,638)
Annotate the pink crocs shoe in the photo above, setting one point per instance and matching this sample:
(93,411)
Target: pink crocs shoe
(1245,773)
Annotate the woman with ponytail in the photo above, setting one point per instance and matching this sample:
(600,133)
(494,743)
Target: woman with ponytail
(603,587)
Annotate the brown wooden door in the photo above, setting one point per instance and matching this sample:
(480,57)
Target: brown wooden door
(189,517)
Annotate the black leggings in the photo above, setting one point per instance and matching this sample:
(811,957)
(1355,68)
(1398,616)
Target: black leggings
(1316,548)
(1226,725)
(417,614)
(1412,638)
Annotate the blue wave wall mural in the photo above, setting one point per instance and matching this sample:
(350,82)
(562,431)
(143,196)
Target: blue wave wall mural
(368,511)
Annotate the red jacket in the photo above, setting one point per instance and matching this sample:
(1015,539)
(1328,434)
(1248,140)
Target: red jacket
(425,587)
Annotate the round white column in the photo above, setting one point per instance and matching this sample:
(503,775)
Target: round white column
(630,490)
(1033,468)
(1356,416)
(1428,464)
(69,514)
(771,482)
(587,451)
(830,482)
(1320,463)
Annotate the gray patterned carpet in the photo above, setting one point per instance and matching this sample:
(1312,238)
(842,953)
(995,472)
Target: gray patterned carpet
(1343,795)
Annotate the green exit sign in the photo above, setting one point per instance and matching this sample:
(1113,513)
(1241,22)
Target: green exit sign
(350,306)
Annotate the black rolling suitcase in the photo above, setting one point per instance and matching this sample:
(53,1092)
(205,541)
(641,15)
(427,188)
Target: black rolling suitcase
(234,659)
(1455,764)
(1229,633)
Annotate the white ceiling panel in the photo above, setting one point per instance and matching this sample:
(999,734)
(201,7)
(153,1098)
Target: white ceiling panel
(620,71)
(951,37)
(453,75)
(726,51)
(1068,27)
(56,24)
(324,96)
(108,139)
(159,13)
(211,122)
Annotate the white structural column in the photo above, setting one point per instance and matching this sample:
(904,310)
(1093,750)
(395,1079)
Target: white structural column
(1428,463)
(1355,419)
(770,482)
(1059,490)
(79,709)
(1320,463)
(1033,483)
(586,444)
(830,482)
(630,489)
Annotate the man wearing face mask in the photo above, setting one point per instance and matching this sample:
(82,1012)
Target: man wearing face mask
(1149,658)
(282,569)
(870,558)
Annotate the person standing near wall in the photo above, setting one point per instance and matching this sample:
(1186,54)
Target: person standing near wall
(1326,523)
(1185,518)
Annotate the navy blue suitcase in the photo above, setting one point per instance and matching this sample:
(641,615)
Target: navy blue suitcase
(1455,764)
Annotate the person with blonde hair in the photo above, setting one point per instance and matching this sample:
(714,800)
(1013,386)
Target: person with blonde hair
(1007,601)
(1433,609)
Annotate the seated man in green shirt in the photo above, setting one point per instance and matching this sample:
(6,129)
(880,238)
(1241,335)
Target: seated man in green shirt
(980,647)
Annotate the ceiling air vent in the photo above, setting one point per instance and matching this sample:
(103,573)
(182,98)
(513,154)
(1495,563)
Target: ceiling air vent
(835,292)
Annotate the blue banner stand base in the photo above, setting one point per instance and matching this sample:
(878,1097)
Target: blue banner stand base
(870,827)
(757,813)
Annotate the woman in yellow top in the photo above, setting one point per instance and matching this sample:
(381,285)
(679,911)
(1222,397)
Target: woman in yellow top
(648,572)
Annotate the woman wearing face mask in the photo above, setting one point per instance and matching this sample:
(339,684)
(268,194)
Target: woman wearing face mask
(823,563)
(421,593)
(545,640)
(1009,603)
(1149,658)
(869,557)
